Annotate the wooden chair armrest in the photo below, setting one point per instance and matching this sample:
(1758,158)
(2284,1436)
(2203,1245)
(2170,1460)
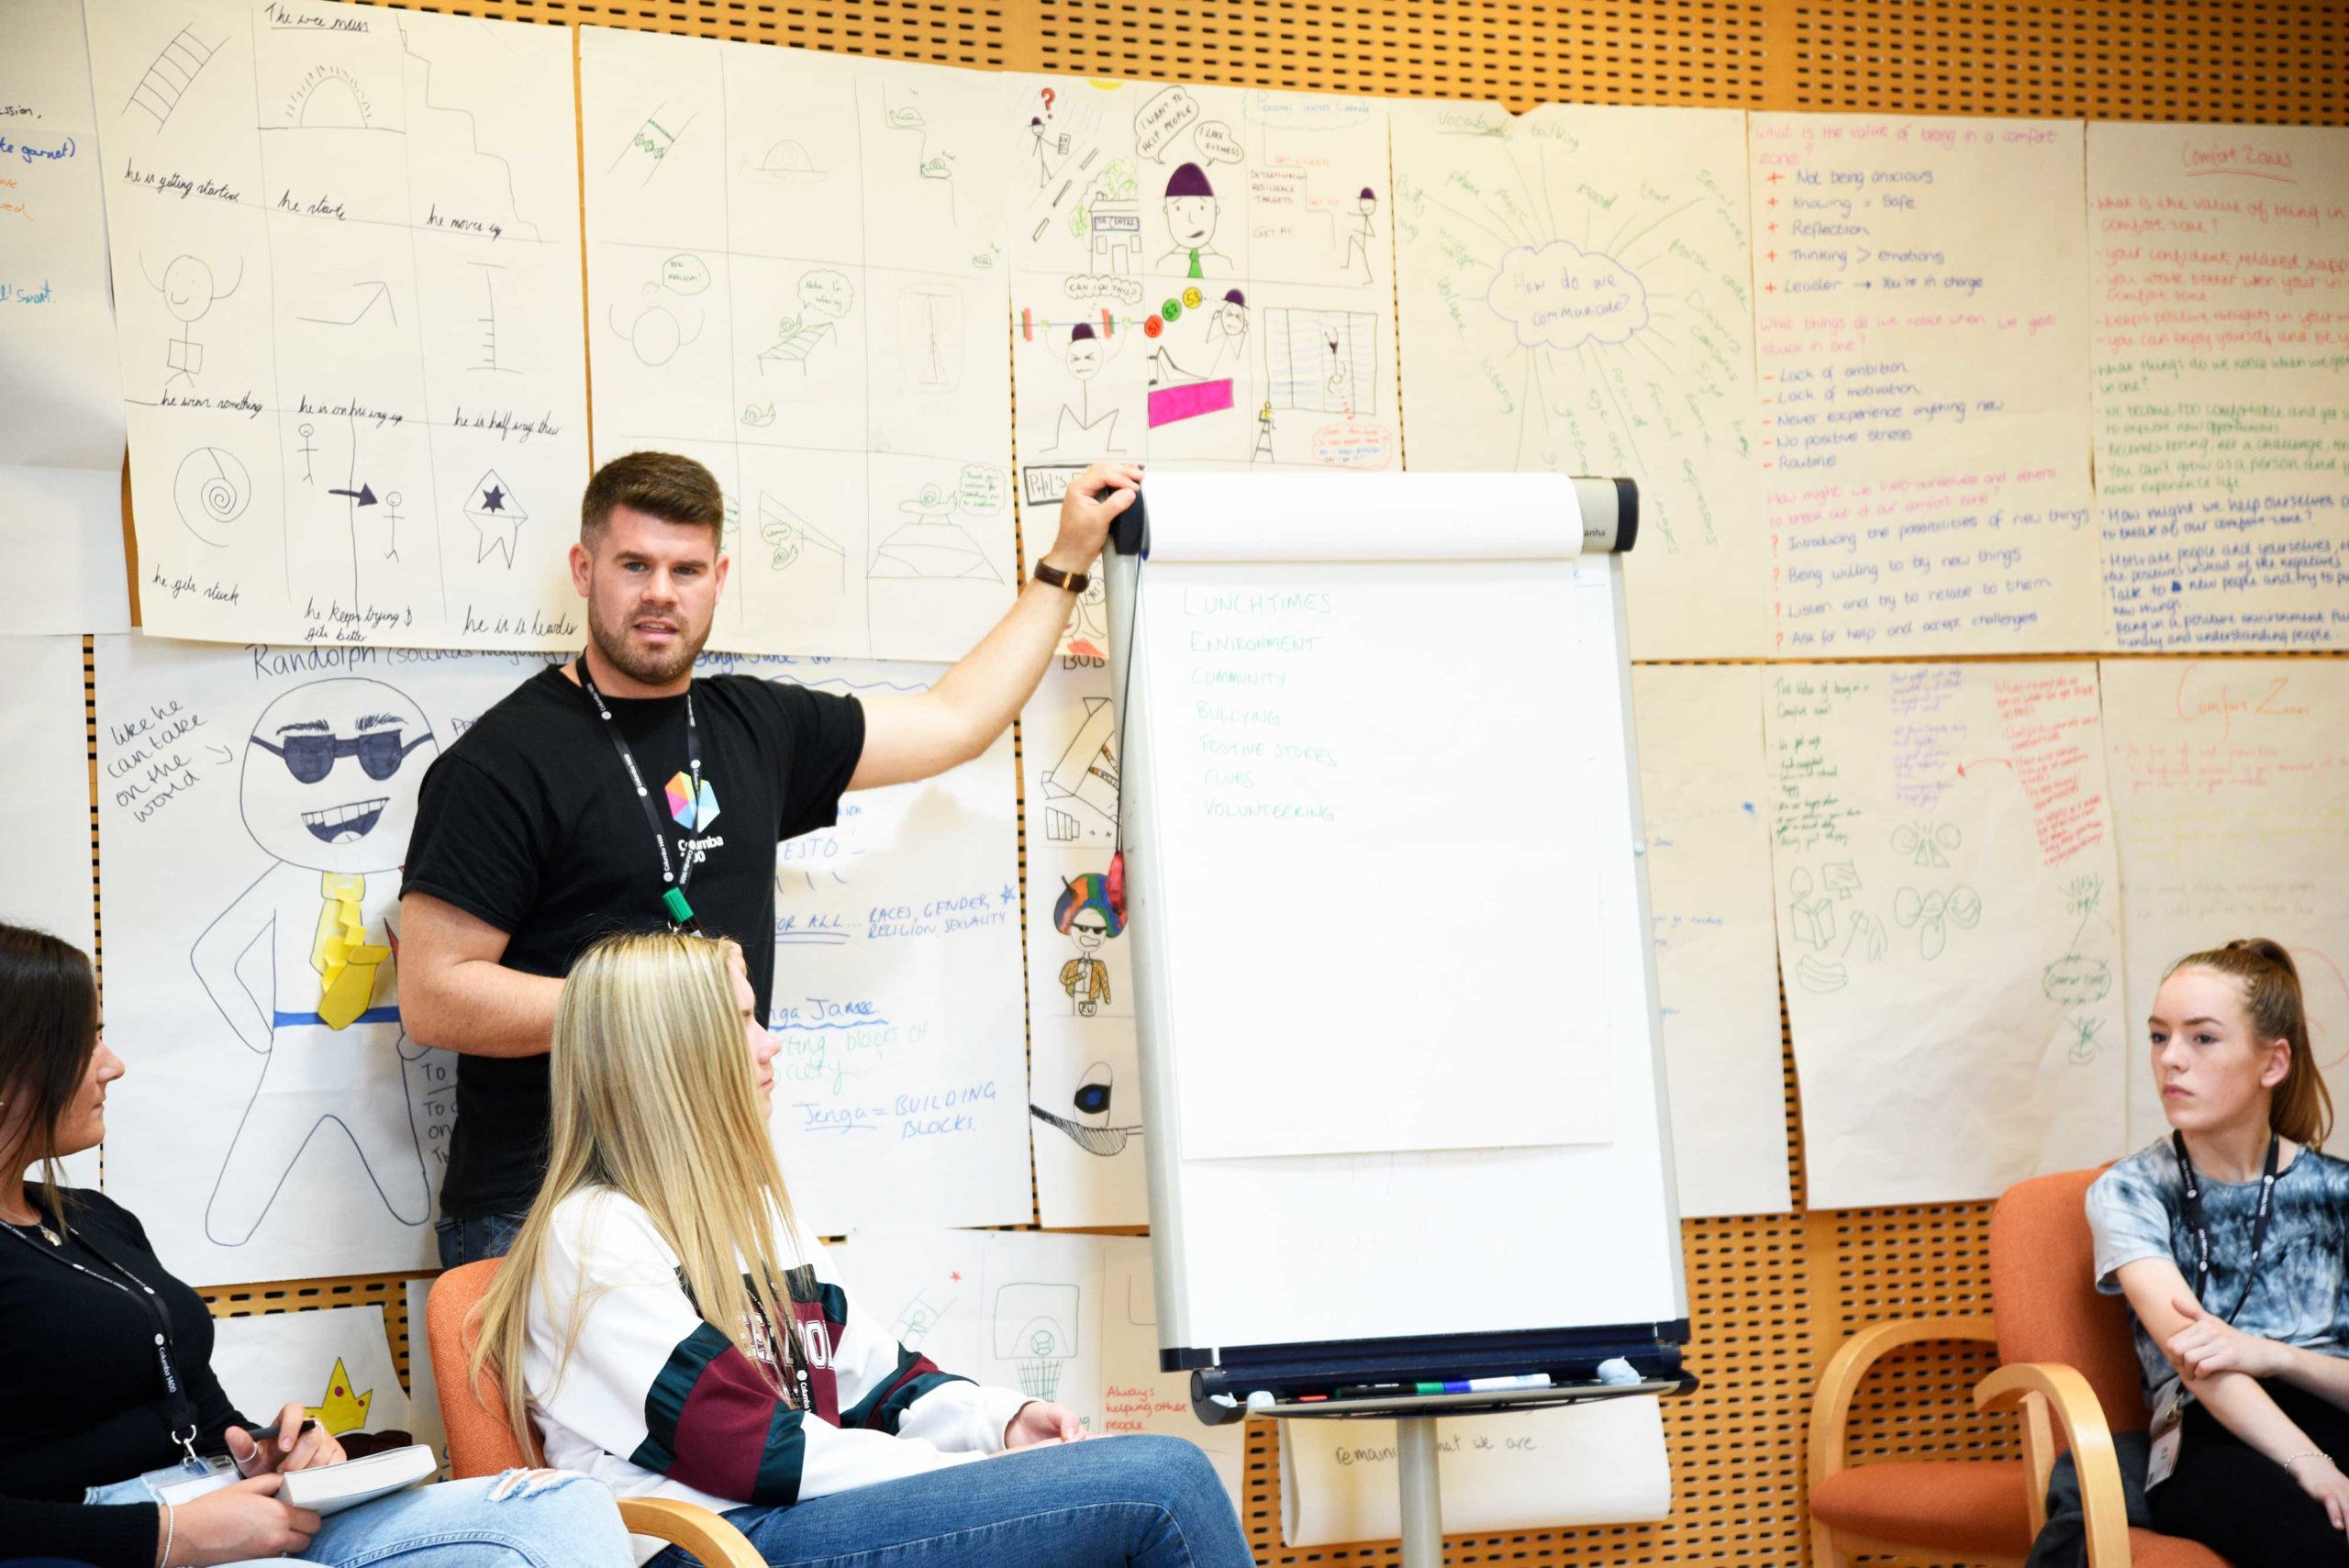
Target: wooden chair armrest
(699,1531)
(2060,1389)
(1831,1404)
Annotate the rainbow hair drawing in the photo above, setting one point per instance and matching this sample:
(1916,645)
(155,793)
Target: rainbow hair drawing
(1090,891)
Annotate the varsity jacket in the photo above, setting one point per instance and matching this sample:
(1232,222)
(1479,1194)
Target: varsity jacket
(656,1403)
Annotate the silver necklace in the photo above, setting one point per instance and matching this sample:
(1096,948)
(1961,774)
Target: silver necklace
(52,1236)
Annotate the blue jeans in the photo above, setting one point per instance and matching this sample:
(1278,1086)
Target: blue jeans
(524,1518)
(471,1241)
(1154,1502)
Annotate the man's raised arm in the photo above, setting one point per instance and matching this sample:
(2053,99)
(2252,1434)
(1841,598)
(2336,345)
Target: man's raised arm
(454,994)
(921,734)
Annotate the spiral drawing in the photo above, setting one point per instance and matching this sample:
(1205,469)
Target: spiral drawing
(212,490)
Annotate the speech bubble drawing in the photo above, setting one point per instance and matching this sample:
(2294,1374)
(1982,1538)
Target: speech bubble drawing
(1160,120)
(1561,297)
(982,490)
(683,273)
(1215,144)
(1351,444)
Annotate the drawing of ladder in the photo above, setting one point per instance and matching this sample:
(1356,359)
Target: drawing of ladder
(159,91)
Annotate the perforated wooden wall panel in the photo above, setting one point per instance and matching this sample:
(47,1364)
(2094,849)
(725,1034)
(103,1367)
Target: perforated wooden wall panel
(1771,1296)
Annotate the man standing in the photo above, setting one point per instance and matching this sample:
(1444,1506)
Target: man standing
(619,793)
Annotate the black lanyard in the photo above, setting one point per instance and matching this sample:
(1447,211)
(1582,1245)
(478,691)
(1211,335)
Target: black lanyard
(676,876)
(178,1409)
(2200,1231)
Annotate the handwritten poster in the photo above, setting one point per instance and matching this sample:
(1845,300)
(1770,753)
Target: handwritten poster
(1586,1465)
(899,1098)
(1948,923)
(1923,350)
(1576,294)
(45,779)
(346,264)
(1202,277)
(796,276)
(254,808)
(1084,1080)
(61,399)
(2222,353)
(1064,1317)
(1705,797)
(2230,799)
(336,1360)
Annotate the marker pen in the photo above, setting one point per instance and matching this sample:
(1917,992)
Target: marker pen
(1486,1384)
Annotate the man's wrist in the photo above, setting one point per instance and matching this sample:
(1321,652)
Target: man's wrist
(1064,559)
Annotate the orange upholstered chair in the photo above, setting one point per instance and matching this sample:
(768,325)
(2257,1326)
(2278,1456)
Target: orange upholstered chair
(2066,1364)
(481,1444)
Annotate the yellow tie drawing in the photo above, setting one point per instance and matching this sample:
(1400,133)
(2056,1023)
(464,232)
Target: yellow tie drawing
(344,960)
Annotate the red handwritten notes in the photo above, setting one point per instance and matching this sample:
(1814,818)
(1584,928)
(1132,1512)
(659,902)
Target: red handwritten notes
(1923,361)
(2221,266)
(1948,924)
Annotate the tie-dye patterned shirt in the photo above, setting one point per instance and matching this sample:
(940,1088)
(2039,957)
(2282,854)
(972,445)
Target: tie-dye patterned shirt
(2137,1209)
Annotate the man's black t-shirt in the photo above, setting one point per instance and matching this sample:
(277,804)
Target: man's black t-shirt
(529,822)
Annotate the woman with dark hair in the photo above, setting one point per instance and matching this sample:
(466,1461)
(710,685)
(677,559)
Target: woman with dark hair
(107,1398)
(2227,1237)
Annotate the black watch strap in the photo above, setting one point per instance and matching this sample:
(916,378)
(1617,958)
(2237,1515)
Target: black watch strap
(1075,582)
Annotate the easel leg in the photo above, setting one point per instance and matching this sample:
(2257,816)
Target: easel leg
(1422,1502)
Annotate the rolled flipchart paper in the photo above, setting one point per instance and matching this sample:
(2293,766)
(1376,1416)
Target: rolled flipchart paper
(1215,518)
(1580,1464)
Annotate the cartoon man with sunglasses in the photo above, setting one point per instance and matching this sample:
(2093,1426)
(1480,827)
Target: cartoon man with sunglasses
(329,788)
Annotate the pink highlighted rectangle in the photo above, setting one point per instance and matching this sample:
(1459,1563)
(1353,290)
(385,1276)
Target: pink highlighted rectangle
(1171,404)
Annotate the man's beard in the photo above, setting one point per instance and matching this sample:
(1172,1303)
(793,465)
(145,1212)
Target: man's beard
(646,666)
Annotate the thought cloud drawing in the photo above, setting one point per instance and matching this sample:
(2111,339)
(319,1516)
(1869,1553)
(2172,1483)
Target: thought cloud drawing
(1561,297)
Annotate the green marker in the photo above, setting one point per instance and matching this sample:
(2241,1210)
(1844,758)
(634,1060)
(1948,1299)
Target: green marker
(680,912)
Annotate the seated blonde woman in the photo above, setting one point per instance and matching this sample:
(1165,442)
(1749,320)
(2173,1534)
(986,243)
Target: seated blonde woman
(675,1337)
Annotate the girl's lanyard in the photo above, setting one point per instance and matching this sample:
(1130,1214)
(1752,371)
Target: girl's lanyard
(178,1409)
(2197,1228)
(676,876)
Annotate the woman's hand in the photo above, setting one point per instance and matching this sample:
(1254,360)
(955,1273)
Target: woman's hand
(1040,1423)
(239,1522)
(286,1451)
(2208,1345)
(2321,1479)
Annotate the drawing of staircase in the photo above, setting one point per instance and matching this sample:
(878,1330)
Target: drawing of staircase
(167,79)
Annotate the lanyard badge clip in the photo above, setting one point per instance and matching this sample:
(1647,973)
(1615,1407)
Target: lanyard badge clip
(681,914)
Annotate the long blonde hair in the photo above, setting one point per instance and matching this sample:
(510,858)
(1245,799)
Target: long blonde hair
(2302,1107)
(653,1097)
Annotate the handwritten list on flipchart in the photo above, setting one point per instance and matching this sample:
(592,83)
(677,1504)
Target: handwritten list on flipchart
(60,398)
(346,268)
(899,1097)
(2231,795)
(1923,356)
(1575,296)
(1705,803)
(794,274)
(2222,258)
(1948,912)
(1084,1078)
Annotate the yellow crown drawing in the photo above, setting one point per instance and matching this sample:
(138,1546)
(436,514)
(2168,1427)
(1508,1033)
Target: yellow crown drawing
(342,1410)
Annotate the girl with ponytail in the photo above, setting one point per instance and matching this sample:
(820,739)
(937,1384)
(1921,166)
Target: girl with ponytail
(2227,1237)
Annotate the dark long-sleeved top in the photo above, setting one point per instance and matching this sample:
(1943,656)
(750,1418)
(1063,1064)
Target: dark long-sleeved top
(82,1398)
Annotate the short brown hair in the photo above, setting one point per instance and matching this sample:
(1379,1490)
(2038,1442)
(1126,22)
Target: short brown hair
(2302,1108)
(660,484)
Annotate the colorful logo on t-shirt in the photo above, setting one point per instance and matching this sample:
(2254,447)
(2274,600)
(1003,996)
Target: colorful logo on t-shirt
(691,814)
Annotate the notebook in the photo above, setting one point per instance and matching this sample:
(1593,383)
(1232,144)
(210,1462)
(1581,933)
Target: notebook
(330,1488)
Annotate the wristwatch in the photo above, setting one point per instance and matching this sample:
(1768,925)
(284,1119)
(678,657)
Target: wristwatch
(1075,582)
